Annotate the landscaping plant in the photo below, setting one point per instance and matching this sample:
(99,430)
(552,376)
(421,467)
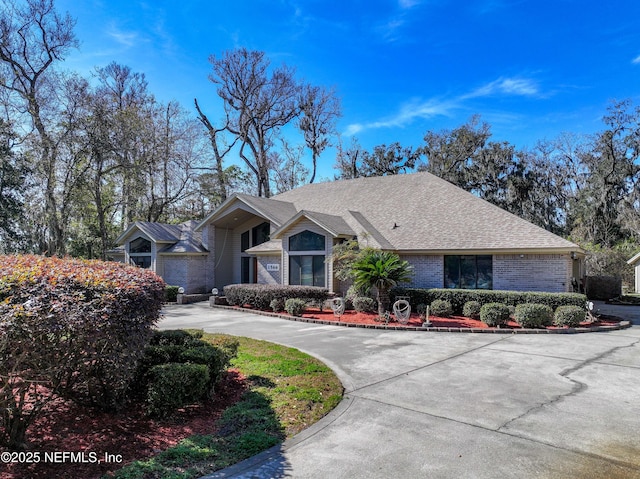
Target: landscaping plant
(382,270)
(69,327)
(533,315)
(441,308)
(570,316)
(471,309)
(494,314)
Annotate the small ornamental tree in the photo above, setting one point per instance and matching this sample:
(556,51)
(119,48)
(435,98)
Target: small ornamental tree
(382,270)
(69,327)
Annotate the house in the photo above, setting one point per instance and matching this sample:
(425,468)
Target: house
(635,262)
(451,237)
(175,252)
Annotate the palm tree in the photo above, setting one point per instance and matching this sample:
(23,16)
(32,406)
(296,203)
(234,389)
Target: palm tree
(382,270)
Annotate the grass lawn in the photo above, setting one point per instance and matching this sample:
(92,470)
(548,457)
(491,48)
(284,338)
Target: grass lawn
(287,392)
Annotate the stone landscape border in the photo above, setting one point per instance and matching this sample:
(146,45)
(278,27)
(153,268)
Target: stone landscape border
(623,324)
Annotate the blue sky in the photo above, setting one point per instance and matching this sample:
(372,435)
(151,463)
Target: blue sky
(530,68)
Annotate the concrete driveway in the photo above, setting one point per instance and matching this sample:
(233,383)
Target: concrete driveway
(454,405)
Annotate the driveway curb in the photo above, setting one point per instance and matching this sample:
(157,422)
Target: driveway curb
(595,329)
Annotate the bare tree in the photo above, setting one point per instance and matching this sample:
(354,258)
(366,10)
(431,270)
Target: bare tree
(288,170)
(33,37)
(320,108)
(257,102)
(218,153)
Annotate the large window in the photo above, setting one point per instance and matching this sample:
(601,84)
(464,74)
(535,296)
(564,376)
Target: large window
(306,270)
(250,238)
(306,241)
(140,252)
(468,271)
(140,245)
(306,264)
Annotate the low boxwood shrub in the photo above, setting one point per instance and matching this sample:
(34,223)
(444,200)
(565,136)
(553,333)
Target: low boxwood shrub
(175,385)
(355,292)
(180,346)
(277,305)
(441,308)
(295,306)
(570,316)
(494,314)
(171,293)
(533,315)
(365,304)
(458,297)
(260,296)
(471,309)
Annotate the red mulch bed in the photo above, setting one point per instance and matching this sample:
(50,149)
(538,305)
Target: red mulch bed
(354,317)
(66,426)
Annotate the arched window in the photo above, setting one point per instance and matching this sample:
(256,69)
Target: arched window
(307,269)
(307,241)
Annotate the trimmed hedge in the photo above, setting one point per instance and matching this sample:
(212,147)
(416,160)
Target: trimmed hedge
(295,306)
(75,326)
(494,314)
(471,309)
(441,308)
(458,297)
(533,315)
(570,316)
(260,296)
(171,294)
(174,385)
(179,347)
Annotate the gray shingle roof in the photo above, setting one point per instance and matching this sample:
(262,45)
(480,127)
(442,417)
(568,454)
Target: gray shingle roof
(420,211)
(336,225)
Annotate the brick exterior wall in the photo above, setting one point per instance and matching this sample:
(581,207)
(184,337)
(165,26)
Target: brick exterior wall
(533,272)
(428,270)
(187,271)
(537,272)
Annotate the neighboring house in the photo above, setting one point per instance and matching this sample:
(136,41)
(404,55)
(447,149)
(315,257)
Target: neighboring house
(451,237)
(635,262)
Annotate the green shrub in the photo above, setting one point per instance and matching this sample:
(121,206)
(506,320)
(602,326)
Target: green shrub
(570,316)
(458,297)
(179,346)
(77,327)
(171,293)
(175,385)
(295,306)
(471,309)
(421,309)
(260,296)
(277,305)
(355,292)
(494,314)
(364,304)
(441,308)
(533,315)
(177,337)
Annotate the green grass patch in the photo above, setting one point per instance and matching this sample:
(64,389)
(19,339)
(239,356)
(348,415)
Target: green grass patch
(288,391)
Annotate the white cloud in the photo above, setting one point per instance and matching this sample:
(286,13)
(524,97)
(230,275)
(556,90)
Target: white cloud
(406,4)
(420,109)
(506,86)
(636,60)
(406,114)
(127,39)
